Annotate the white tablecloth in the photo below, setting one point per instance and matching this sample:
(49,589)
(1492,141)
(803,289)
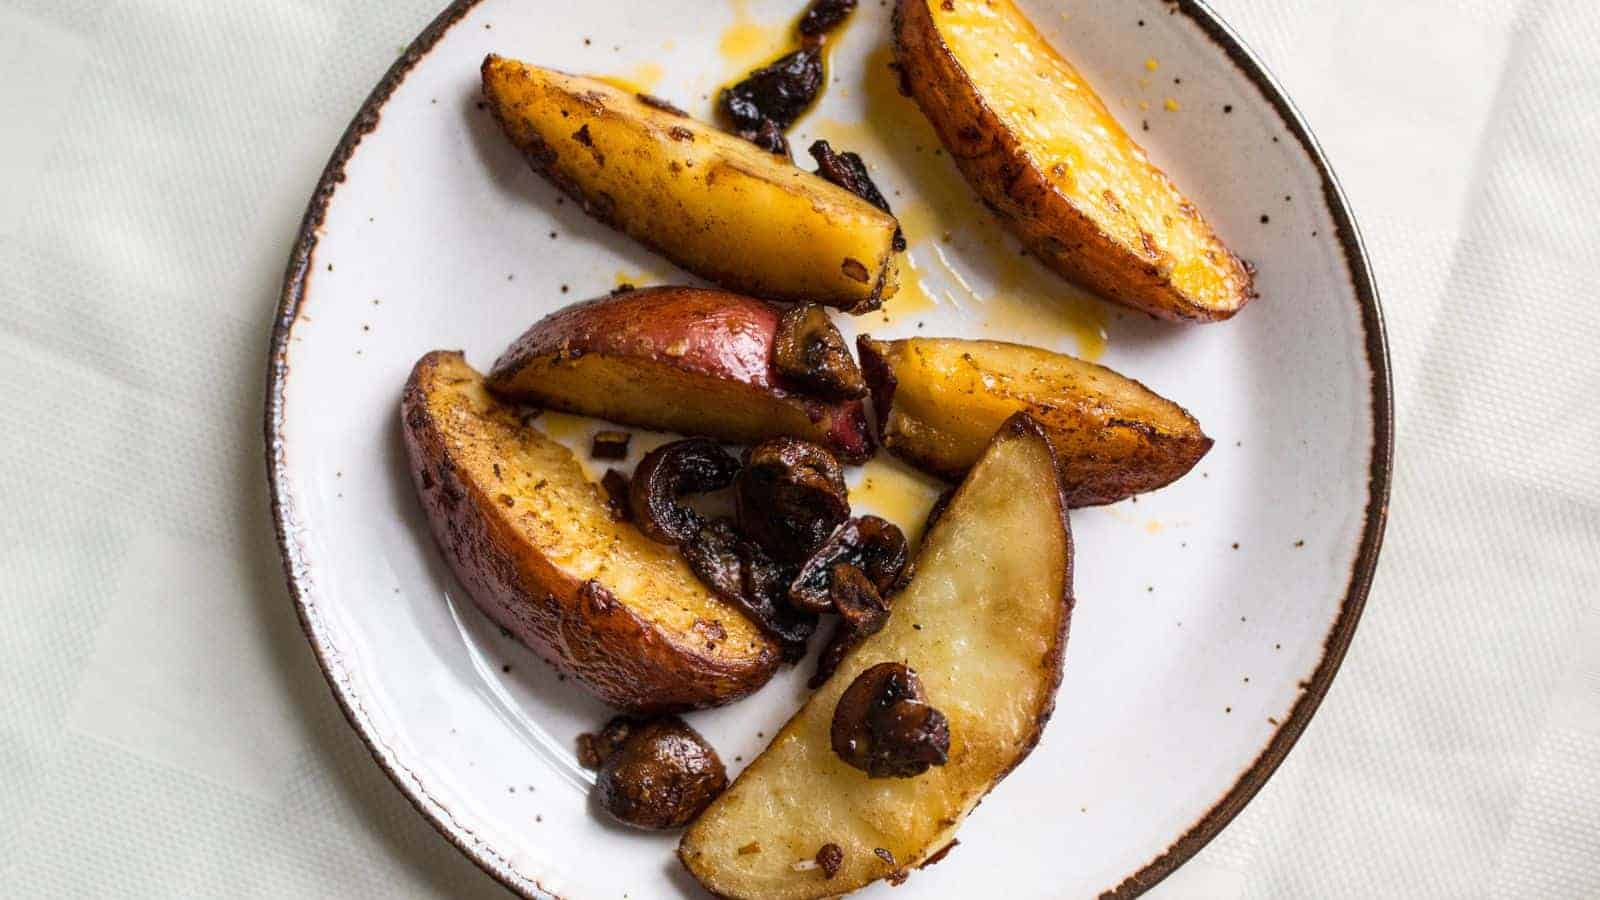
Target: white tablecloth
(164,730)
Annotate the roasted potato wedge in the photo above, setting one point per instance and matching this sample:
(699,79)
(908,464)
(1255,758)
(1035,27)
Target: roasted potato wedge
(1041,149)
(711,202)
(983,623)
(939,399)
(530,539)
(675,359)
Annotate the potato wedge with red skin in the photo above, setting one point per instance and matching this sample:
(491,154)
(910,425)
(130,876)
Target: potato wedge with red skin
(1040,148)
(531,540)
(938,400)
(675,359)
(983,623)
(712,202)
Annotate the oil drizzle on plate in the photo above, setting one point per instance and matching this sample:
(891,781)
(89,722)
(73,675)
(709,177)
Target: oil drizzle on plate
(959,256)
(897,492)
(747,42)
(641,79)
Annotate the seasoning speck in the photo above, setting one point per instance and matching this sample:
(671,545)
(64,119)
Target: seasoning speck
(1171,105)
(1152,64)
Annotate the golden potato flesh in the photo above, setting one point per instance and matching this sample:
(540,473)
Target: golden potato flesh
(711,202)
(1036,142)
(531,540)
(939,399)
(983,623)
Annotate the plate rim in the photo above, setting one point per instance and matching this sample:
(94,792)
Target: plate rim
(297,571)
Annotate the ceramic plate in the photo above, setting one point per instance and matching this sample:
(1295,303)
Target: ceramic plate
(1211,616)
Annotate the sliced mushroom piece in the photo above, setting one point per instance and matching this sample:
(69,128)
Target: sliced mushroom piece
(671,471)
(778,93)
(862,613)
(790,497)
(875,546)
(822,16)
(739,572)
(657,774)
(885,727)
(810,351)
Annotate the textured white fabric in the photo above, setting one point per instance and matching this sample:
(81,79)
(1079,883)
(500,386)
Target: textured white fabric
(155,158)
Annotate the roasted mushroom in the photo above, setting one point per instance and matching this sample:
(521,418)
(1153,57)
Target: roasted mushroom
(824,15)
(885,727)
(777,93)
(740,572)
(654,774)
(690,466)
(862,613)
(849,172)
(789,497)
(873,545)
(809,351)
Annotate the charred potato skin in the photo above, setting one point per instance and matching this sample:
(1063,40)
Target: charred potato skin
(690,191)
(1105,458)
(708,339)
(1019,426)
(1052,226)
(626,661)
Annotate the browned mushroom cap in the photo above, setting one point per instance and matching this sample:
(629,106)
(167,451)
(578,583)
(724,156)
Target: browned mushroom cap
(790,496)
(661,776)
(875,546)
(739,572)
(809,351)
(690,466)
(862,613)
(884,726)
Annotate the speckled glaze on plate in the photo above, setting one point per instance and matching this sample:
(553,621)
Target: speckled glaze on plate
(1211,616)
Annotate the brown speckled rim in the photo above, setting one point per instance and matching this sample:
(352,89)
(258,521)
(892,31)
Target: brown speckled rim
(301,582)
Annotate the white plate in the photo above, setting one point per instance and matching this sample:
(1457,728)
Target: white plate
(1211,616)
